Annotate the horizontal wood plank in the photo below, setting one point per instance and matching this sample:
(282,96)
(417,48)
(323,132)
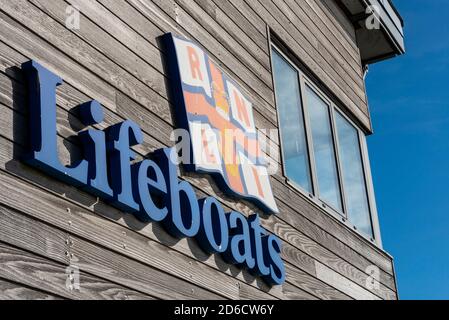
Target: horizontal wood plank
(91,258)
(41,275)
(13,291)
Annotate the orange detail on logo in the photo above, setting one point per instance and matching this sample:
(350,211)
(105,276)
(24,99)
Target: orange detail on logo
(195,67)
(242,110)
(214,102)
(209,156)
(197,104)
(221,101)
(235,181)
(257,180)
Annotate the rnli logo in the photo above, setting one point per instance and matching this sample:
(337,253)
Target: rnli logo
(219,118)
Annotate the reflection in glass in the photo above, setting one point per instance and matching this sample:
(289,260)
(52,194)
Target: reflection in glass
(291,122)
(353,176)
(323,147)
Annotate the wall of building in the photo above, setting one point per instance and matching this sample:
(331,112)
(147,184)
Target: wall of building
(116,58)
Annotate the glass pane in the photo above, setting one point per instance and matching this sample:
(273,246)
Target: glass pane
(323,147)
(356,195)
(291,121)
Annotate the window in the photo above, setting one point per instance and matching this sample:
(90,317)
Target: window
(322,150)
(353,175)
(291,119)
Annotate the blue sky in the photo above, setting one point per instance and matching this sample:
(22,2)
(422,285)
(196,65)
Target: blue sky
(409,102)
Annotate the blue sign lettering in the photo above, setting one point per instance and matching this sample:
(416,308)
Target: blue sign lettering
(42,86)
(149,189)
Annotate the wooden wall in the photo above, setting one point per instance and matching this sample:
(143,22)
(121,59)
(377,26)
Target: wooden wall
(115,58)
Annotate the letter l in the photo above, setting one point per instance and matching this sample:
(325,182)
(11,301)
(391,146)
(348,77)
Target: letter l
(42,85)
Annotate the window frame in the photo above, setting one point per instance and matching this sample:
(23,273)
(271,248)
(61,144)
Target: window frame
(328,102)
(306,133)
(333,108)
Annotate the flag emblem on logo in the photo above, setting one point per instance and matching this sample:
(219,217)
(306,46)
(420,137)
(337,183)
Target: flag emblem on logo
(219,118)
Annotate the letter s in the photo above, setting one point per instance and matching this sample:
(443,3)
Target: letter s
(273,255)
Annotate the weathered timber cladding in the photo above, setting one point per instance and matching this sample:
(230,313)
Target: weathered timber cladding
(117,59)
